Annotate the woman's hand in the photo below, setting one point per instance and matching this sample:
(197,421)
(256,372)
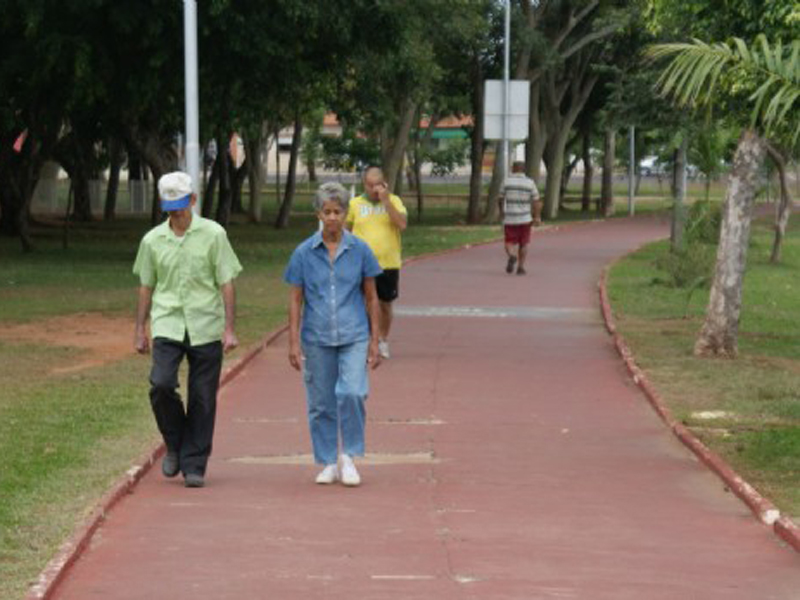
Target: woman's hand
(295,304)
(296,356)
(373,355)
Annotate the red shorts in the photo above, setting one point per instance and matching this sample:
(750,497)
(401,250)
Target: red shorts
(518,234)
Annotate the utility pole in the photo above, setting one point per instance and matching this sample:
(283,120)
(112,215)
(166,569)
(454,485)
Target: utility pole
(506,90)
(631,169)
(192,103)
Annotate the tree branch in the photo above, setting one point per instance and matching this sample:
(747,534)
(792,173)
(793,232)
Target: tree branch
(573,22)
(588,39)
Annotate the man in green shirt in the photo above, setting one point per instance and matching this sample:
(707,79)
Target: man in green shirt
(186,268)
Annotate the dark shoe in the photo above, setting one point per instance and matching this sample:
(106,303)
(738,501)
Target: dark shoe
(193,480)
(521,271)
(169,464)
(512,260)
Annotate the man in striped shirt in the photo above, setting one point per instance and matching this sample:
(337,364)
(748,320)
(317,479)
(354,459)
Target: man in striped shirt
(520,209)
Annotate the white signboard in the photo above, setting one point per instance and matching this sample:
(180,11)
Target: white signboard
(494,108)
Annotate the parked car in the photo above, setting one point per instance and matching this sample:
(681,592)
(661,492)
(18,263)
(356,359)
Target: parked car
(650,165)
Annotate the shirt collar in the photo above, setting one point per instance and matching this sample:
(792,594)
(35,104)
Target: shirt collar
(348,239)
(164,229)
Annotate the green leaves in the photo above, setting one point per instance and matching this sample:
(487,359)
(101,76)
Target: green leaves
(697,69)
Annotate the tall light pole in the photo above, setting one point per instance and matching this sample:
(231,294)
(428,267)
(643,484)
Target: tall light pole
(506,90)
(631,168)
(192,105)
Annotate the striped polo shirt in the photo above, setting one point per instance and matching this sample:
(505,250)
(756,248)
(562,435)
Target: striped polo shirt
(518,193)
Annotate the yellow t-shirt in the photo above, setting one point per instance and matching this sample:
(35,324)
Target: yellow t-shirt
(370,222)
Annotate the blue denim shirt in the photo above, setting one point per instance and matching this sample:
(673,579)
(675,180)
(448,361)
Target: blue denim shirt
(334,311)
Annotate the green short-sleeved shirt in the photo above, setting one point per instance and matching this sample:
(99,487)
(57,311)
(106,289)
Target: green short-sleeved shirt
(185,274)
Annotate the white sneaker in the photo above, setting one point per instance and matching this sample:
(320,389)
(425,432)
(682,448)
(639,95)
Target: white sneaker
(350,476)
(383,348)
(328,475)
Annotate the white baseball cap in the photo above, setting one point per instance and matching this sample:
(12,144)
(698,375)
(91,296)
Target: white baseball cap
(175,190)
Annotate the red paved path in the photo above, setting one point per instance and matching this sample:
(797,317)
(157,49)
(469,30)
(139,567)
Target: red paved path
(514,459)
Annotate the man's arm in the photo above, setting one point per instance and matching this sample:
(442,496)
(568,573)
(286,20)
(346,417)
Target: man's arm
(374,314)
(295,304)
(229,340)
(536,207)
(140,342)
(398,219)
(501,204)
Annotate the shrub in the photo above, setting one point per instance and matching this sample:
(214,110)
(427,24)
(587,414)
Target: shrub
(703,223)
(690,267)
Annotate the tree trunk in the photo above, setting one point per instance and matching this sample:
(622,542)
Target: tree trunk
(490,210)
(409,170)
(225,167)
(537,136)
(719,334)
(156,214)
(238,177)
(606,205)
(210,192)
(399,185)
(476,145)
(784,207)
(73,155)
(19,173)
(566,176)
(253,147)
(588,173)
(421,145)
(394,143)
(136,167)
(554,153)
(116,156)
(82,208)
(67,214)
(277,167)
(679,201)
(415,170)
(291,178)
(159,154)
(562,101)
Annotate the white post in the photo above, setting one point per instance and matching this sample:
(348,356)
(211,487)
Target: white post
(192,109)
(631,169)
(506,91)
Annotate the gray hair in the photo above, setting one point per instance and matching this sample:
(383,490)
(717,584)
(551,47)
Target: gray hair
(331,192)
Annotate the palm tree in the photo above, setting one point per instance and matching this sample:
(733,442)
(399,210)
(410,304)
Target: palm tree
(698,75)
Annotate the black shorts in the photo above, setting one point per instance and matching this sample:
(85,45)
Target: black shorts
(387,284)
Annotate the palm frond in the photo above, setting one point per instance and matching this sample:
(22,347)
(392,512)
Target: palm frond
(780,90)
(692,76)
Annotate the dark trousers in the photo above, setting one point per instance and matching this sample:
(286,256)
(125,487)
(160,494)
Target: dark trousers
(188,432)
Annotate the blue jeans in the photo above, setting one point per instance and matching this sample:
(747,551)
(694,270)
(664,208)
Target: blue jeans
(336,389)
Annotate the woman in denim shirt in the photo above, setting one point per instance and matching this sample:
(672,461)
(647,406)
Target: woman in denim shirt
(332,275)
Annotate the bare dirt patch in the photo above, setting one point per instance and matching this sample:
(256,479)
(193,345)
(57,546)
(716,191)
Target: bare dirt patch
(99,338)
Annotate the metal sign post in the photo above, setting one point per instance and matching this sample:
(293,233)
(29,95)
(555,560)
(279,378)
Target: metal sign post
(631,168)
(192,103)
(506,89)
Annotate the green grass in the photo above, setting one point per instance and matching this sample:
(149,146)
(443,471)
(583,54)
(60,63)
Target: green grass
(759,392)
(65,438)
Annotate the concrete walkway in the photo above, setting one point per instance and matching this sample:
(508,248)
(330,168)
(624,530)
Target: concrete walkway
(510,457)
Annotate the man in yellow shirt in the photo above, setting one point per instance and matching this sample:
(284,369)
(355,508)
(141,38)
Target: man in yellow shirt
(186,268)
(379,217)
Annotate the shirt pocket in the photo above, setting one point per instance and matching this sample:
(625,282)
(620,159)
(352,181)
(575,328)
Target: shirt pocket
(201,268)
